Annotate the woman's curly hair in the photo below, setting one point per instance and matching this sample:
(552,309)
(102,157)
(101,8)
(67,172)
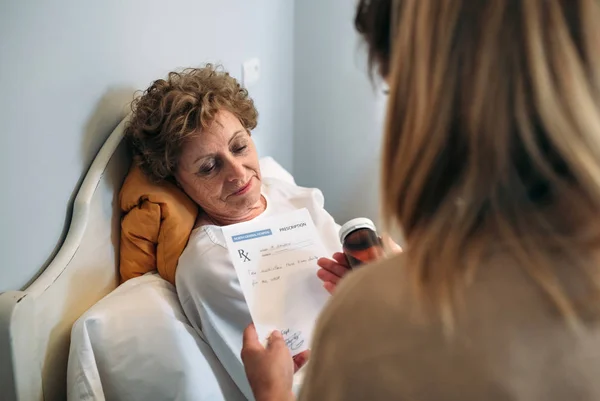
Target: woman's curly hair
(171,110)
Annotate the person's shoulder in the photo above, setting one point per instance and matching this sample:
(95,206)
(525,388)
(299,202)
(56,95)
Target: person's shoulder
(353,343)
(366,297)
(361,324)
(201,241)
(372,282)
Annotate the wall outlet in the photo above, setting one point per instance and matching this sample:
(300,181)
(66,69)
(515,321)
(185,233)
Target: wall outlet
(250,72)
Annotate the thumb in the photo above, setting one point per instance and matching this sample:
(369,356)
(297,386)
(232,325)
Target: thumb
(250,338)
(275,341)
(390,244)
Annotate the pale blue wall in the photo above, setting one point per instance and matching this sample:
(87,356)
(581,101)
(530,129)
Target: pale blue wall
(338,113)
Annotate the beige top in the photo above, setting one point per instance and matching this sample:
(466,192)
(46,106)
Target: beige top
(510,345)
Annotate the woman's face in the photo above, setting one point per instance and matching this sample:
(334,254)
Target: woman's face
(219,168)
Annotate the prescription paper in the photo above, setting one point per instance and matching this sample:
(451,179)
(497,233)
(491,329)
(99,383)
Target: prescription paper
(276,262)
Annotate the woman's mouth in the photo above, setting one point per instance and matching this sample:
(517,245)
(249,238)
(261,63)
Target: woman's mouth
(243,189)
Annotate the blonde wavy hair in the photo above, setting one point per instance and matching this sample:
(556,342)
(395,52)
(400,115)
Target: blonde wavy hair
(173,109)
(493,140)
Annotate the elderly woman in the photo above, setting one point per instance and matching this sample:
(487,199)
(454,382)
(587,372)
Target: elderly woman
(194,129)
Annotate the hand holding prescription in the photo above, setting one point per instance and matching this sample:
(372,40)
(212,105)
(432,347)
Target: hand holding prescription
(275,259)
(269,369)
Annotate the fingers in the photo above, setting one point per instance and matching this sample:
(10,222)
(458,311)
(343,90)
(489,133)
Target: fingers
(334,266)
(323,262)
(250,340)
(341,259)
(251,345)
(301,359)
(326,276)
(332,271)
(330,287)
(250,335)
(276,346)
(275,341)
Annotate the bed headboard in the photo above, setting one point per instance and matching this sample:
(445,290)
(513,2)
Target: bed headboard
(35,324)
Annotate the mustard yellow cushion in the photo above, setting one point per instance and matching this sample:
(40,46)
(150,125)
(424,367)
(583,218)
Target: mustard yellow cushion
(155,228)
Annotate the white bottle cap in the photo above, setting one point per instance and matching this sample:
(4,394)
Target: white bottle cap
(355,224)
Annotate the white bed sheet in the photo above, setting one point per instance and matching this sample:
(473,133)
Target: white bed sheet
(137,344)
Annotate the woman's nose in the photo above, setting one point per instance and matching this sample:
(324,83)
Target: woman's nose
(236,172)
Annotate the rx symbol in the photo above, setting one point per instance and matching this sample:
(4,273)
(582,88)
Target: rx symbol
(243,255)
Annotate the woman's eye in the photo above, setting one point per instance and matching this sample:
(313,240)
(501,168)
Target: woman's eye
(240,149)
(207,169)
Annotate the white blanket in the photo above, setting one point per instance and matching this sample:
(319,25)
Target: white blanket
(136,344)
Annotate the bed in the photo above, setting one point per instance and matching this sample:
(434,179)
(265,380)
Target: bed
(47,326)
(35,324)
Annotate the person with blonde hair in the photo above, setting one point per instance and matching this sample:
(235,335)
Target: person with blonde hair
(491,169)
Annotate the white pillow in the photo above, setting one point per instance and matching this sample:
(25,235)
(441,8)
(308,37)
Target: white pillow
(136,344)
(270,168)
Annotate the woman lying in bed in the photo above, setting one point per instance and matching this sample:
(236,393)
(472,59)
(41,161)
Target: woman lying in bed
(194,129)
